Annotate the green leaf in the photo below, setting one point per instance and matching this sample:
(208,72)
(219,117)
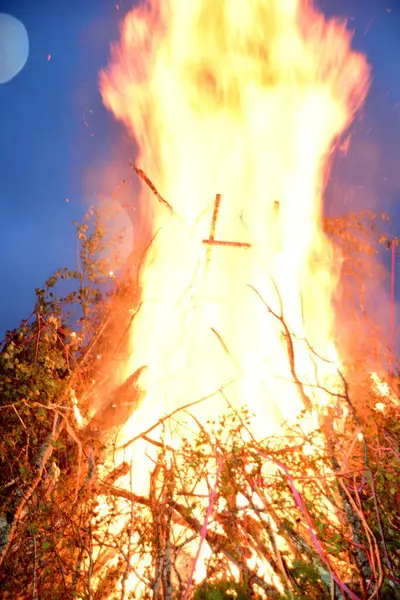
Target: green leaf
(33,528)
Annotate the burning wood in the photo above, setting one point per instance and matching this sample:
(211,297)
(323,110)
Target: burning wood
(203,107)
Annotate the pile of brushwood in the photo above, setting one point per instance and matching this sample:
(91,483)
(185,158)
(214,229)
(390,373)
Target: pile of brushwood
(326,522)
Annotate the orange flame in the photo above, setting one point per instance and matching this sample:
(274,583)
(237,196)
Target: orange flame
(246,99)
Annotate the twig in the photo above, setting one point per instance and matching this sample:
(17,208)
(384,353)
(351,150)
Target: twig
(289,342)
(75,438)
(171,414)
(204,527)
(19,416)
(153,188)
(216,541)
(61,568)
(34,591)
(129,550)
(301,505)
(42,458)
(37,335)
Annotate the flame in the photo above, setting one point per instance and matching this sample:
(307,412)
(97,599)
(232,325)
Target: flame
(76,410)
(246,99)
(236,109)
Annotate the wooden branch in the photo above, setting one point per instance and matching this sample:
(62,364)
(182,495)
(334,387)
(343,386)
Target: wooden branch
(217,542)
(153,188)
(290,348)
(41,460)
(171,414)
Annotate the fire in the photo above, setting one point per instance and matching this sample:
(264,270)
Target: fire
(246,100)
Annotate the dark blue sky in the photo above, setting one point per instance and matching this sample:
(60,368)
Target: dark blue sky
(55,135)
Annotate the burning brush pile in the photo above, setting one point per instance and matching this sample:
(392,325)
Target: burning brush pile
(232,459)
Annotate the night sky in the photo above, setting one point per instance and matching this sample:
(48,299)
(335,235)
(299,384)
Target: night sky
(55,136)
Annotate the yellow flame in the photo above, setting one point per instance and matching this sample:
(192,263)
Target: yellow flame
(246,99)
(236,108)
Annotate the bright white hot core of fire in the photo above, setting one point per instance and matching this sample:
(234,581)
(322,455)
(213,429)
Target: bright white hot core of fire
(246,99)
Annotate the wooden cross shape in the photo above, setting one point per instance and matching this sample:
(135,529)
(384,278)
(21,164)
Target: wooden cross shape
(211,240)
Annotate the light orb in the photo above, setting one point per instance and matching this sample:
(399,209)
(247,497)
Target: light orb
(14,47)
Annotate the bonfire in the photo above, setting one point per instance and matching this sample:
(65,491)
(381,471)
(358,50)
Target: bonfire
(233,455)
